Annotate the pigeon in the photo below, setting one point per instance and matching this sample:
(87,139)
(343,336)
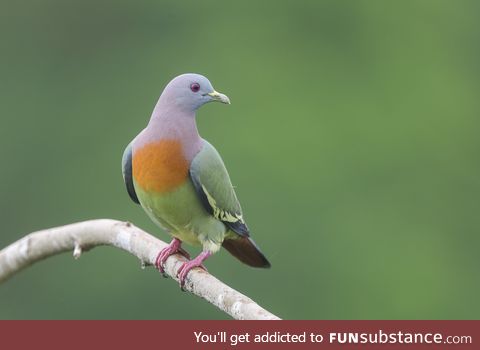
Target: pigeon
(181,182)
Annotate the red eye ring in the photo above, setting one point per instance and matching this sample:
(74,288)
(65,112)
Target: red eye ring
(195,87)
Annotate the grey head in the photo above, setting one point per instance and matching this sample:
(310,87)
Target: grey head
(189,92)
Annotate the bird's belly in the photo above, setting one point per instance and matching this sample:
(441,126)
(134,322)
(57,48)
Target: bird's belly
(181,213)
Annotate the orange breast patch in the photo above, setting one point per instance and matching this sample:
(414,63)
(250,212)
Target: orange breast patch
(160,166)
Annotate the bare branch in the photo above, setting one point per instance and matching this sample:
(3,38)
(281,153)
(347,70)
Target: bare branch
(83,236)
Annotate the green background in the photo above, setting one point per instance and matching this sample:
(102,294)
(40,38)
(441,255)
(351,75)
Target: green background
(352,139)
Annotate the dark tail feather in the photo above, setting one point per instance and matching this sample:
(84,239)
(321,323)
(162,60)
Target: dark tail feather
(245,250)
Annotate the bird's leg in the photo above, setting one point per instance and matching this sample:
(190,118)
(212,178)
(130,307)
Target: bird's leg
(173,248)
(188,265)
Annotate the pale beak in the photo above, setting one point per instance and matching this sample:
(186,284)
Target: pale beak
(216,96)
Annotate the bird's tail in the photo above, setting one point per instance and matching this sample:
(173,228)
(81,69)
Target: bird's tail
(245,250)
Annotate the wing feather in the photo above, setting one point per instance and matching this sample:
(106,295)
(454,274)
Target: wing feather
(127,173)
(214,188)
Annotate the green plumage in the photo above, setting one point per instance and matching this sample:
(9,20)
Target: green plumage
(181,214)
(213,185)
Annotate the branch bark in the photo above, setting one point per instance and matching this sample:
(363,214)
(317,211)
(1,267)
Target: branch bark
(82,236)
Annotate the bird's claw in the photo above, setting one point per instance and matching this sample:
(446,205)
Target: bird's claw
(184,270)
(173,248)
(188,265)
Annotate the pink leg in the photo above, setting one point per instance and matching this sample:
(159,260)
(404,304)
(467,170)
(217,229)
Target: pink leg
(173,248)
(188,265)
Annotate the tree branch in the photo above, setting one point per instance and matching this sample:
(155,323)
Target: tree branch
(86,235)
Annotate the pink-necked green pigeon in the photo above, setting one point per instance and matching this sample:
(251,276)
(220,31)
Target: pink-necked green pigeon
(180,180)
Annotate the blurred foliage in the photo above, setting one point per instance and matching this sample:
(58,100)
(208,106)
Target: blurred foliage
(352,140)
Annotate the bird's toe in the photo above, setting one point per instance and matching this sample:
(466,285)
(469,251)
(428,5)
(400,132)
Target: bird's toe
(158,262)
(185,269)
(161,258)
(182,273)
(173,248)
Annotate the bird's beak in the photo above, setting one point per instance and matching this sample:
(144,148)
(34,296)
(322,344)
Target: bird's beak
(216,96)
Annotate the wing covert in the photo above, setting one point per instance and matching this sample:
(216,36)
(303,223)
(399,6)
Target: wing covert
(214,188)
(127,173)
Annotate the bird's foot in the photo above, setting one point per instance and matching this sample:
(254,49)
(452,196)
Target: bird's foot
(188,265)
(173,248)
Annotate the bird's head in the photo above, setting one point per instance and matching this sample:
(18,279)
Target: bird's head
(191,91)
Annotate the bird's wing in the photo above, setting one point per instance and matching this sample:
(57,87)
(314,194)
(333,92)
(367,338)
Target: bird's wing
(212,183)
(127,173)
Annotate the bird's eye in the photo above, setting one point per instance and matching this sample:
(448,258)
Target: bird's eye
(195,87)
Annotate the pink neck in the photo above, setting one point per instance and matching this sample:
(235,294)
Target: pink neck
(173,124)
